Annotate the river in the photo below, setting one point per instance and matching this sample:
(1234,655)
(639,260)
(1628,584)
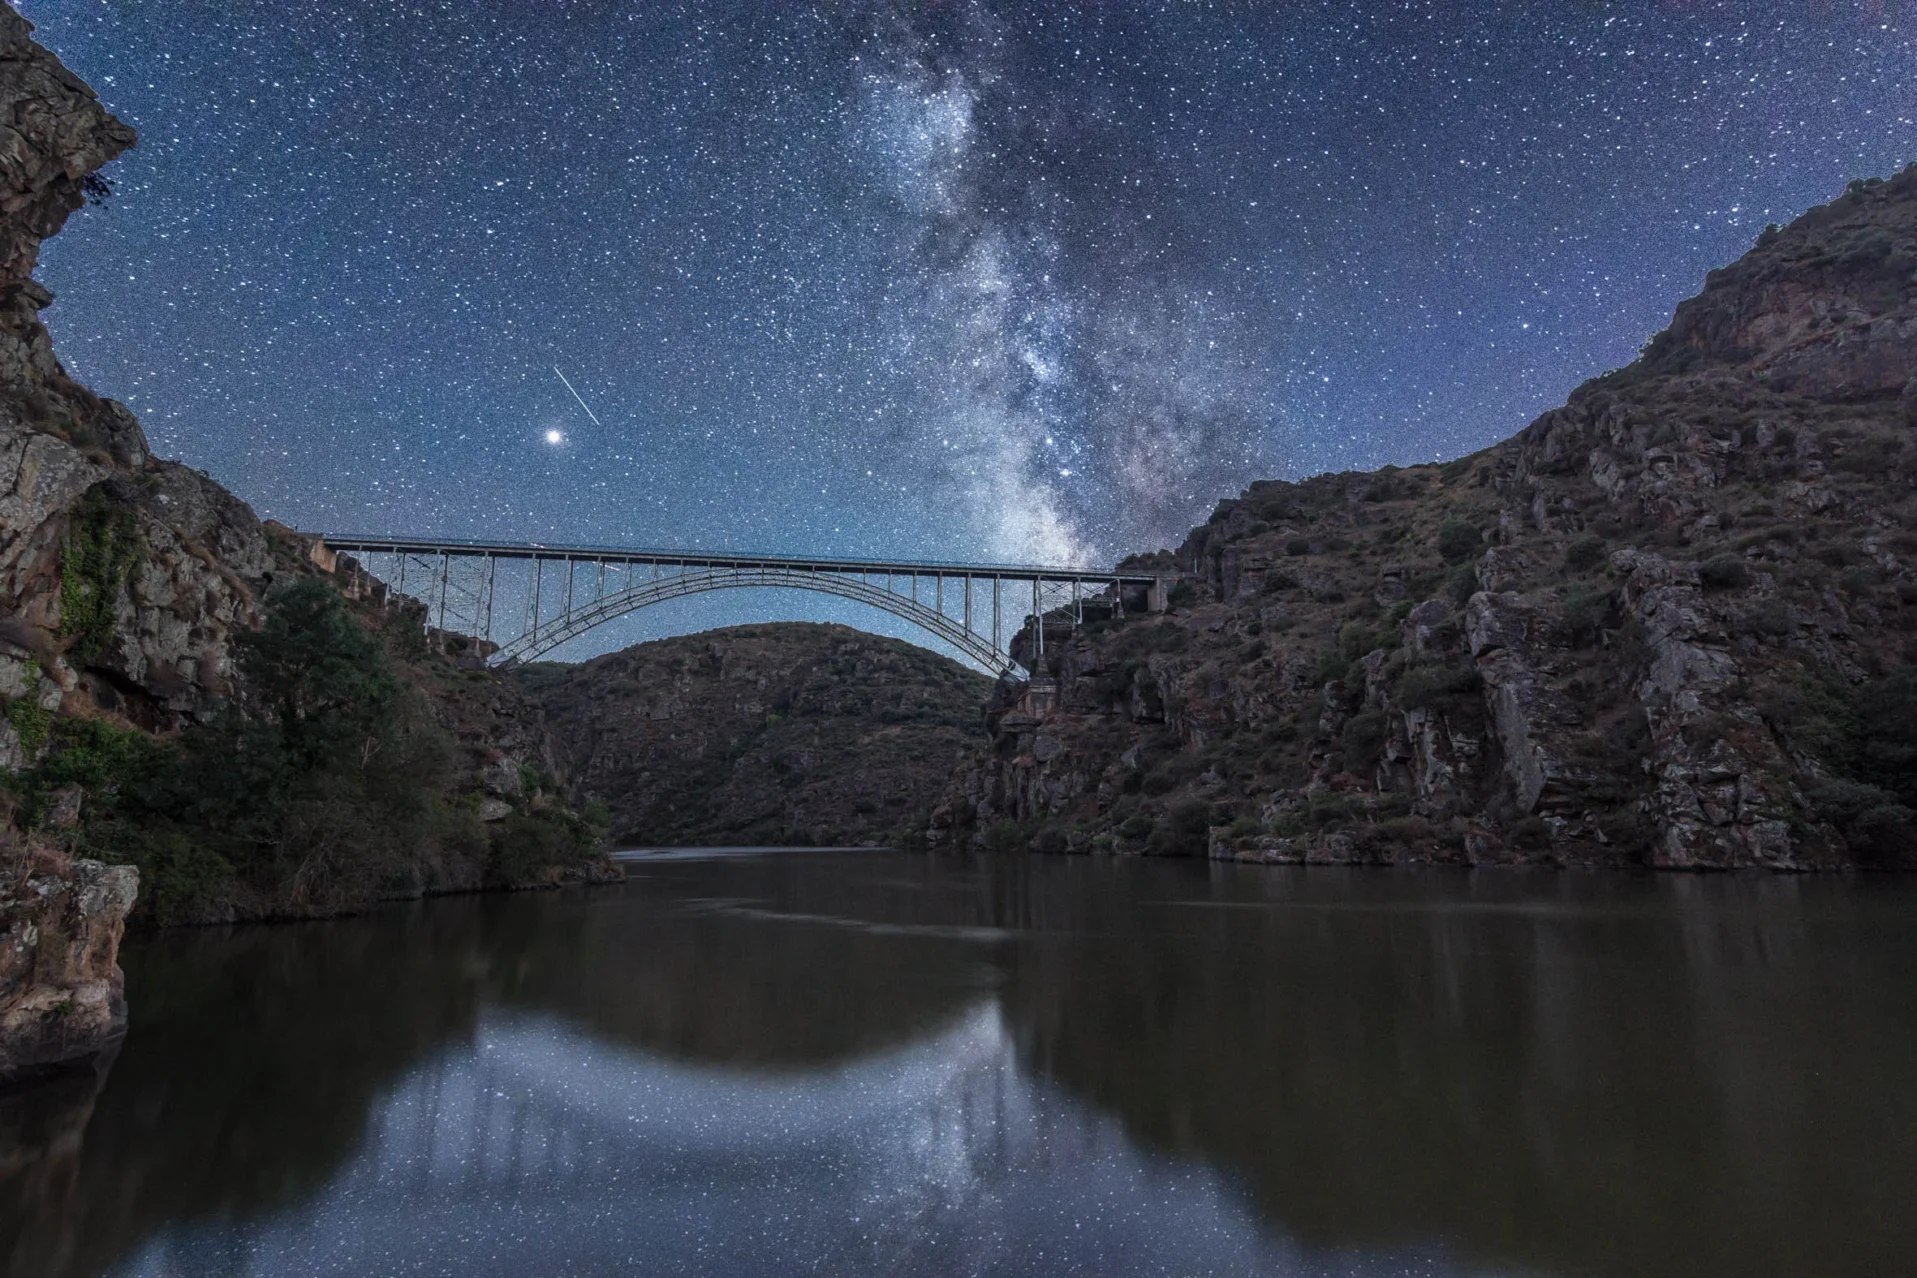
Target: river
(869,1062)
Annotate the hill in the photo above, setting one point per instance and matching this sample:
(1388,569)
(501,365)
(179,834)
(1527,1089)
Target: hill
(776,734)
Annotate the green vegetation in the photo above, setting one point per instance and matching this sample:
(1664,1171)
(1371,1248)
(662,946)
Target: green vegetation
(31,722)
(1422,686)
(1457,540)
(1724,572)
(1182,831)
(1584,554)
(332,787)
(1867,734)
(102,549)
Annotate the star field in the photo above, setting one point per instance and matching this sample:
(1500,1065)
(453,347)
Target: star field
(1031,282)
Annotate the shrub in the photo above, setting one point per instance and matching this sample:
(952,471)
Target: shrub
(1182,830)
(1770,618)
(1462,583)
(1723,572)
(1135,826)
(1882,830)
(1007,836)
(1050,838)
(1860,581)
(31,722)
(1586,609)
(1457,540)
(1531,833)
(1297,546)
(1425,685)
(1584,554)
(1363,739)
(1884,748)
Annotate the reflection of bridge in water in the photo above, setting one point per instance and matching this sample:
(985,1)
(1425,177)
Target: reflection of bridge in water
(535,1149)
(555,593)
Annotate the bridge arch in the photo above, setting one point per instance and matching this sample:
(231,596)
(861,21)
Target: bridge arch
(577,621)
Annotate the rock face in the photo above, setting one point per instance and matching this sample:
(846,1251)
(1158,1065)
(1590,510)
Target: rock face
(60,982)
(794,733)
(1668,624)
(167,564)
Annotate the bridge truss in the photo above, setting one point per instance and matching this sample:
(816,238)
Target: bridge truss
(521,601)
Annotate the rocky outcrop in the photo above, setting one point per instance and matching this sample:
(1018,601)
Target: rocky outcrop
(1668,624)
(777,734)
(60,983)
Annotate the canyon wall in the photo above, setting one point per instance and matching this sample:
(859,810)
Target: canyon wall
(1670,624)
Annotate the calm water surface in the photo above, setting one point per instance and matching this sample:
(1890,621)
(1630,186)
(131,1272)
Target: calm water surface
(878,1063)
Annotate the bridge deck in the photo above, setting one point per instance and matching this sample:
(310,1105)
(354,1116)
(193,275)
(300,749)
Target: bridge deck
(363,544)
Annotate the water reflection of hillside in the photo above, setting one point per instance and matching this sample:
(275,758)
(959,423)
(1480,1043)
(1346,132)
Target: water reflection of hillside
(775,963)
(1591,1075)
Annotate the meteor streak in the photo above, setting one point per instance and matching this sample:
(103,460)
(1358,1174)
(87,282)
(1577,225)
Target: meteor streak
(575,395)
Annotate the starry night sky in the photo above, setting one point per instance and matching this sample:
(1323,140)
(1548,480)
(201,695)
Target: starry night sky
(956,279)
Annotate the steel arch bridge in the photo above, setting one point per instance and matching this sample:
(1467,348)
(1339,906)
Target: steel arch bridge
(519,601)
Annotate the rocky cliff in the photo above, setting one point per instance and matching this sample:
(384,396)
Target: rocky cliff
(777,734)
(1669,624)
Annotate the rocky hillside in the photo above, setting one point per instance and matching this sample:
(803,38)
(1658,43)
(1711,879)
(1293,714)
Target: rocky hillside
(1672,623)
(777,734)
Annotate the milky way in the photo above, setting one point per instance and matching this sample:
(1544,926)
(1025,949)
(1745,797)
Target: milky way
(1002,281)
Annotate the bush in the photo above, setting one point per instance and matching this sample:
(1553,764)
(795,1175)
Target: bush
(1723,572)
(1425,685)
(1882,830)
(1363,739)
(31,723)
(1182,831)
(1297,546)
(1586,609)
(1050,838)
(1884,746)
(1584,554)
(1458,540)
(1007,836)
(1462,583)
(1531,833)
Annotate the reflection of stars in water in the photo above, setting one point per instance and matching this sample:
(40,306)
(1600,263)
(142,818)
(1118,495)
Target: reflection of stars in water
(978,280)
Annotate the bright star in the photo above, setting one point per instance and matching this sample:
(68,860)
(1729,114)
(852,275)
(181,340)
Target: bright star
(555,437)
